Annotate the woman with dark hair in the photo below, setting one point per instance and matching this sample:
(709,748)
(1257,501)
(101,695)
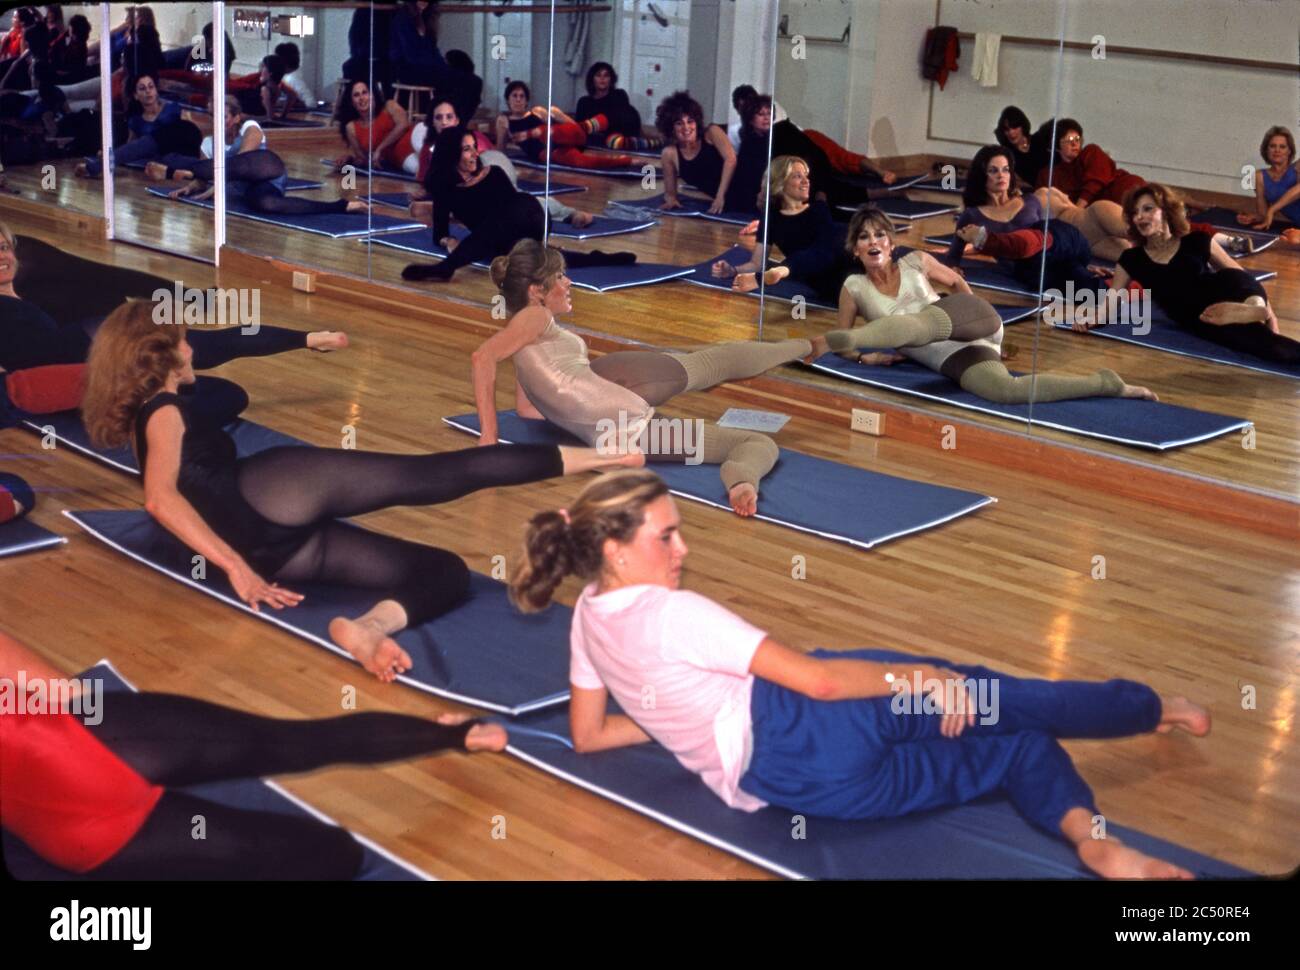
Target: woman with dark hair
(258,92)
(623,129)
(1085,173)
(958,335)
(525,128)
(375,139)
(297,95)
(1192,279)
(995,206)
(462,87)
(102,800)
(1030,152)
(1277,190)
(819,734)
(70,58)
(279,513)
(479,196)
(697,154)
(156,129)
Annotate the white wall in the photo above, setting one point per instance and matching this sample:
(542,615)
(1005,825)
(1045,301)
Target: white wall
(813,88)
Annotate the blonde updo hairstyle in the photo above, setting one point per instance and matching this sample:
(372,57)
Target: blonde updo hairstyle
(611,507)
(529,263)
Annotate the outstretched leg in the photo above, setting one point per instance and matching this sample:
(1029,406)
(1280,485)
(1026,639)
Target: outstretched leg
(959,316)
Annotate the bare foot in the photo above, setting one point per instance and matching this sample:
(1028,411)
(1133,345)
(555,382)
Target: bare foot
(582,219)
(1179,712)
(422,211)
(744,499)
(1142,393)
(371,647)
(1114,860)
(155,171)
(324,341)
(357,205)
(1221,313)
(819,348)
(745,282)
(481,737)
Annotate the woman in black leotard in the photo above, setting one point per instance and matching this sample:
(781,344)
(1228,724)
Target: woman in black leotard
(811,241)
(621,128)
(482,198)
(1193,280)
(100,800)
(496,213)
(276,513)
(697,154)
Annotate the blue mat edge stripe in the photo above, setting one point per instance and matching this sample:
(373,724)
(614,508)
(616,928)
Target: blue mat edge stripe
(663,819)
(992,409)
(310,809)
(46,541)
(1118,335)
(974,506)
(549,701)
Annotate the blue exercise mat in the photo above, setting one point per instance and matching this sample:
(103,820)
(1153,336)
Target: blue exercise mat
(482,653)
(692,207)
(1226,219)
(633,172)
(1143,424)
(600,226)
(934,183)
(1167,336)
(378,864)
(986,839)
(900,183)
(804,493)
(906,208)
(291,184)
(336,225)
(21,535)
(402,200)
(600,279)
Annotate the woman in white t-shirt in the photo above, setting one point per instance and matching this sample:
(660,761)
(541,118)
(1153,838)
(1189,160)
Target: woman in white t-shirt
(841,735)
(958,336)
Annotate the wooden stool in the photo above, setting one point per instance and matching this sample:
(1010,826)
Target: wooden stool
(411,90)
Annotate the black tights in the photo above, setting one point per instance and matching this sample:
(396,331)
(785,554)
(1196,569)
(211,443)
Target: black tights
(179,741)
(258,169)
(522,218)
(317,486)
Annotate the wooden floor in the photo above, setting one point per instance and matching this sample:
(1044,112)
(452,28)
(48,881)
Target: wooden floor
(678,313)
(1187,607)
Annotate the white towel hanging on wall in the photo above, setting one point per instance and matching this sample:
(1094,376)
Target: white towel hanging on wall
(984,65)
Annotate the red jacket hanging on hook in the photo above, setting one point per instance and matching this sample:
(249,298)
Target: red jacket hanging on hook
(939,56)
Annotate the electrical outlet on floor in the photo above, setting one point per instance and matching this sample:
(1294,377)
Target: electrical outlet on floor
(868,422)
(306,282)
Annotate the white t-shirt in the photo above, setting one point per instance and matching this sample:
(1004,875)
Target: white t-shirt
(295,83)
(239,138)
(678,664)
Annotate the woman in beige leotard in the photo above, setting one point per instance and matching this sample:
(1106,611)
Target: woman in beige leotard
(555,381)
(958,336)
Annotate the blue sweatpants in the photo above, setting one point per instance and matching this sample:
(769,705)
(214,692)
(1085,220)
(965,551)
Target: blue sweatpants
(859,759)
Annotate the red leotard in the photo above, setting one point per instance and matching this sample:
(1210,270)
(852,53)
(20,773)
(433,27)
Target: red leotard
(370,135)
(73,801)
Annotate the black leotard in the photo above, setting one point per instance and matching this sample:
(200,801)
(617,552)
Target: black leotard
(1188,283)
(209,481)
(491,199)
(623,118)
(29,337)
(813,246)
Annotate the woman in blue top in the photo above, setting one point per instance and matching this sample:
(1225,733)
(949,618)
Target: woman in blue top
(156,128)
(1277,191)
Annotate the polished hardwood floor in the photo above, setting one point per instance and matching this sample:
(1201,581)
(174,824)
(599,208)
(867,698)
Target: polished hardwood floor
(1186,606)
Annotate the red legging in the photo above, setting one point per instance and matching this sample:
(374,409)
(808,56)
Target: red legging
(841,159)
(565,139)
